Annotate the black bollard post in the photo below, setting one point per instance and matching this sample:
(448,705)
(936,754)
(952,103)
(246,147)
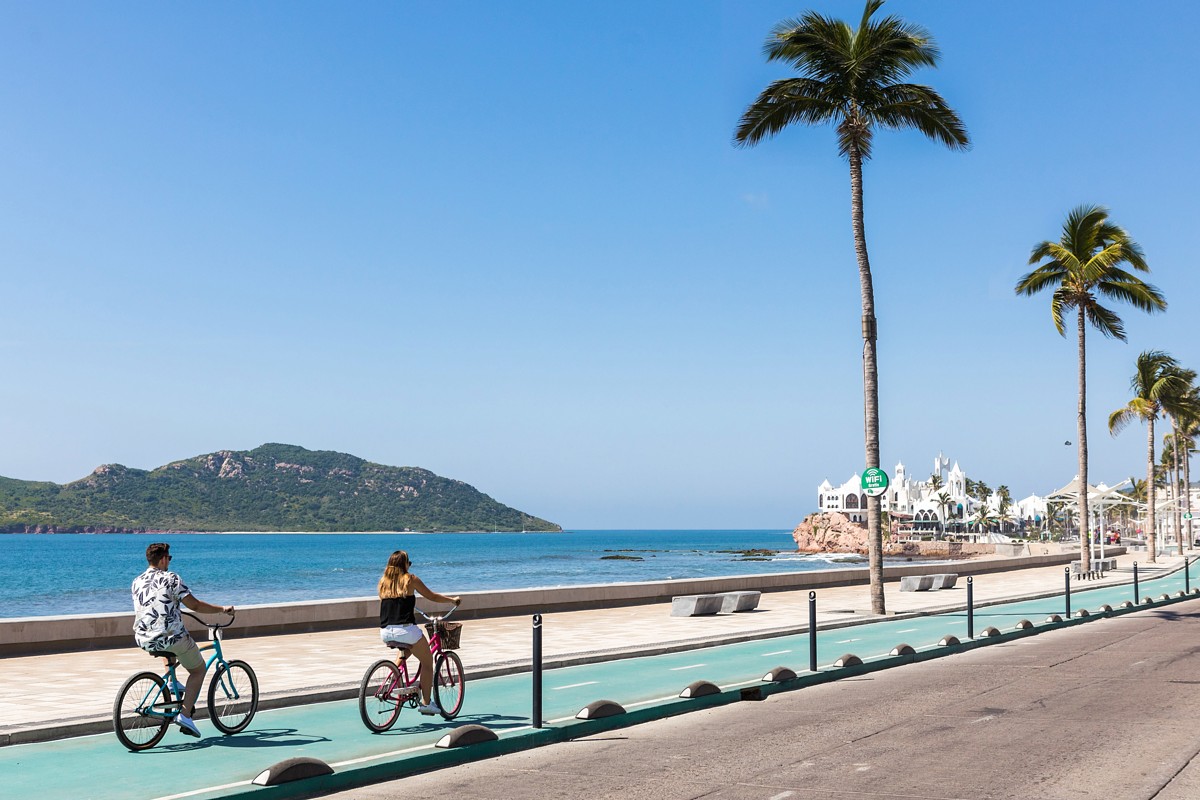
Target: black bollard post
(537,670)
(1135,586)
(970,608)
(1187,581)
(812,631)
(1067,580)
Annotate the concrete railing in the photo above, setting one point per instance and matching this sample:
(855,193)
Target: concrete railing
(32,635)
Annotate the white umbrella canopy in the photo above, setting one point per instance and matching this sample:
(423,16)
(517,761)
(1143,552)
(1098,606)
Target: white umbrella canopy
(1070,491)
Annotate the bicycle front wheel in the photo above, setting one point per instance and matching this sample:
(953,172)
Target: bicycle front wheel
(378,702)
(449,683)
(233,697)
(139,716)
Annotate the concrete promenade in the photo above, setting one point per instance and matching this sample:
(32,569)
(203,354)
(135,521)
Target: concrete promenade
(1102,710)
(50,696)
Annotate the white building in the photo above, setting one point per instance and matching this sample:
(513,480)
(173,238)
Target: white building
(922,501)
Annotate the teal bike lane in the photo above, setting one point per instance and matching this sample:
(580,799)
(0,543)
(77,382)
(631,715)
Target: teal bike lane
(647,687)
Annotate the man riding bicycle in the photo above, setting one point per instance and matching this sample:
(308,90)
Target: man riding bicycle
(158,625)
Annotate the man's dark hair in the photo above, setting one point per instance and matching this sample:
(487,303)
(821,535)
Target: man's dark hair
(156,551)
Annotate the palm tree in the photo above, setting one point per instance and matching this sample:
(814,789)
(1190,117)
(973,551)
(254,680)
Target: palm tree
(1190,429)
(1083,264)
(1002,512)
(943,501)
(1180,405)
(853,79)
(982,517)
(935,483)
(1155,378)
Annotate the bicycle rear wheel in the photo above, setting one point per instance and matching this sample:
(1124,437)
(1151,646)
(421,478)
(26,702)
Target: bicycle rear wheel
(233,697)
(141,693)
(379,703)
(449,683)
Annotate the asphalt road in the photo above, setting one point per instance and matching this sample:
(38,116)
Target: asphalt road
(1109,709)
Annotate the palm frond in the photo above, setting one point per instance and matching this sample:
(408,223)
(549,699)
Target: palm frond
(1043,277)
(1060,303)
(781,104)
(1137,293)
(1137,409)
(1105,320)
(1064,257)
(912,106)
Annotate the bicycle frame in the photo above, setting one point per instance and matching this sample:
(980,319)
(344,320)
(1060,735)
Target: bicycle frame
(150,704)
(435,648)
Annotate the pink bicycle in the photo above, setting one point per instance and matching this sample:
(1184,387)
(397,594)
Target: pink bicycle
(386,688)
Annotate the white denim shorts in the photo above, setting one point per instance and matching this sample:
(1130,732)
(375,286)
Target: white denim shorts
(401,634)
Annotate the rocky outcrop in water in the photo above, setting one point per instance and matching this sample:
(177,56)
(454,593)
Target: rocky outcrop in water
(830,532)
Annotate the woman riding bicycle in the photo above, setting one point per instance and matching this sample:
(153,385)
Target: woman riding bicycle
(398,590)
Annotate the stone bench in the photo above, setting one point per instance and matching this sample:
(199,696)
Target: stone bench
(946,580)
(739,601)
(1098,567)
(925,583)
(916,583)
(695,605)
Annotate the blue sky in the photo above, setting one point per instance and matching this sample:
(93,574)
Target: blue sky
(514,244)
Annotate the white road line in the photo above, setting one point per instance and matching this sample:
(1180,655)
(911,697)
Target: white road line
(776,653)
(689,666)
(907,630)
(204,791)
(846,641)
(782,796)
(574,685)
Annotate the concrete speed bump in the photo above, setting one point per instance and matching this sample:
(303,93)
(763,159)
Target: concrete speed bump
(1181,593)
(700,689)
(779,675)
(292,769)
(1106,609)
(465,735)
(1083,612)
(1147,601)
(989,632)
(903,649)
(1054,618)
(949,641)
(1127,604)
(1024,625)
(1164,596)
(848,660)
(600,709)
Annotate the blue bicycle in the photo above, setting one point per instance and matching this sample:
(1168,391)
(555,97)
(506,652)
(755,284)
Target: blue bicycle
(146,704)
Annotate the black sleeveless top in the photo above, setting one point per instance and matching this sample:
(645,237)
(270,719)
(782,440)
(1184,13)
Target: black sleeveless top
(397,610)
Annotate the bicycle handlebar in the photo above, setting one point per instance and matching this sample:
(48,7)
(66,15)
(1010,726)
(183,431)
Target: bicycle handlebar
(432,618)
(211,625)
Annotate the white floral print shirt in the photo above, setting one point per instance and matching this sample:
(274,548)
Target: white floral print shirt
(157,623)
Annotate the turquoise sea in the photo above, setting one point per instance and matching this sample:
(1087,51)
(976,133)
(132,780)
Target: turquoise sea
(48,574)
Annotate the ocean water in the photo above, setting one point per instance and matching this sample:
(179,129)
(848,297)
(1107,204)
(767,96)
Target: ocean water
(84,574)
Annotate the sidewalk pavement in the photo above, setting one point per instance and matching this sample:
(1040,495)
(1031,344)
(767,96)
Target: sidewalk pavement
(66,694)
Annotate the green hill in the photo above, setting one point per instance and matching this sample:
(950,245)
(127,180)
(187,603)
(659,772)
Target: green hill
(276,487)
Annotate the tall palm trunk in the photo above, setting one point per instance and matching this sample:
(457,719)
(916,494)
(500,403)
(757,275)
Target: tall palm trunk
(870,380)
(1085,543)
(1187,490)
(1176,509)
(1152,535)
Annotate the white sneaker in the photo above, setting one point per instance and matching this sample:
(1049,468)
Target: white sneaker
(187,726)
(430,710)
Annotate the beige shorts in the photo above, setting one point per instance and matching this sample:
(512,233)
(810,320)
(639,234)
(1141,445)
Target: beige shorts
(188,653)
